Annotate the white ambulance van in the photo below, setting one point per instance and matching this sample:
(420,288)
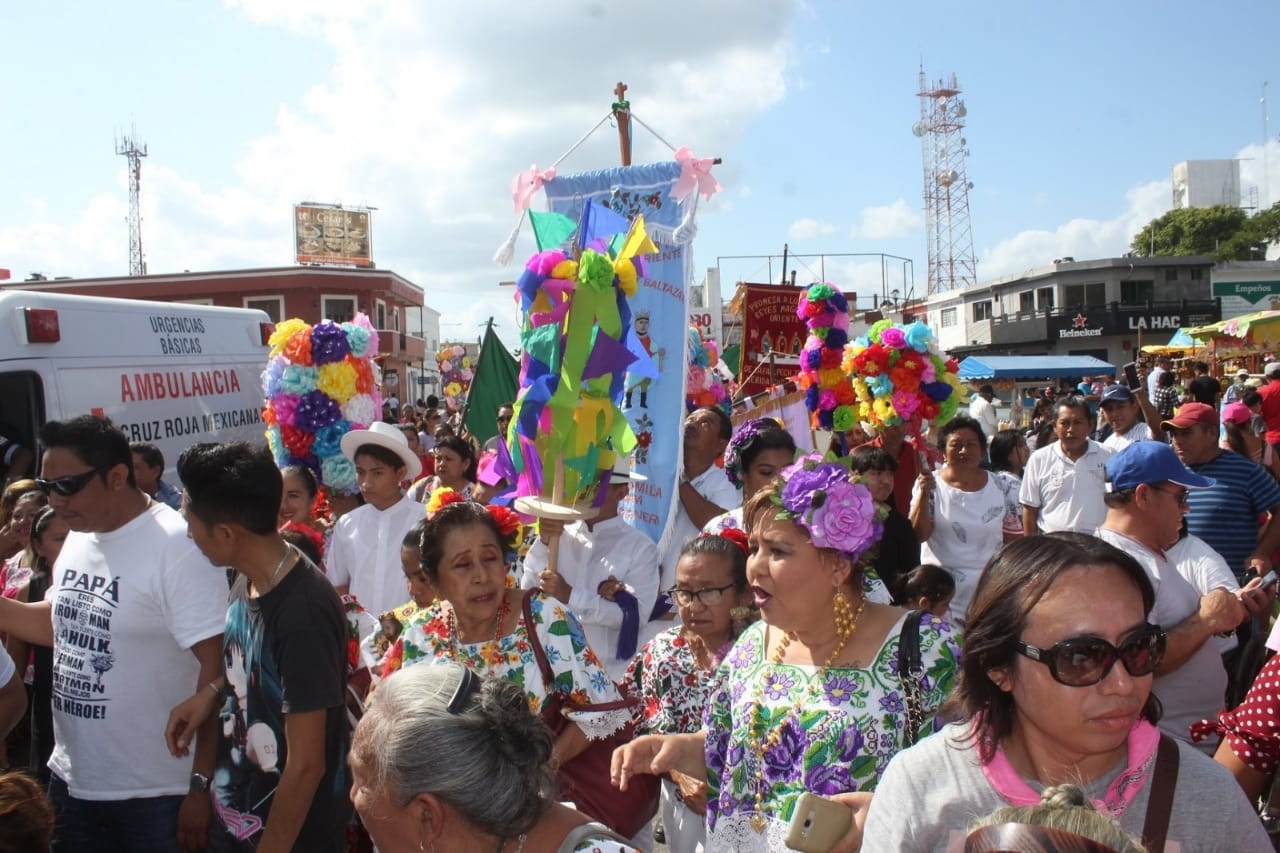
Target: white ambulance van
(172,374)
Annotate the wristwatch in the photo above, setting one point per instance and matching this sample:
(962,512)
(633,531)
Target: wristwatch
(199,783)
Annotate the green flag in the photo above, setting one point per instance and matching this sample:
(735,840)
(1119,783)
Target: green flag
(496,382)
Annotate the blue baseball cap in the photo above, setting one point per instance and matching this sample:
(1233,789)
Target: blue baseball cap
(1117,393)
(1148,462)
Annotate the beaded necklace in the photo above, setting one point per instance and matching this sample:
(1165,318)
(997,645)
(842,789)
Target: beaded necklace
(701,651)
(846,626)
(493,650)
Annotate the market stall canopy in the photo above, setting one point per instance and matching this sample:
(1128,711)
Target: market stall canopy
(1033,367)
(1180,342)
(1262,324)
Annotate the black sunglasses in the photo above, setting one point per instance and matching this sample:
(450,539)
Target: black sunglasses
(1084,661)
(70,484)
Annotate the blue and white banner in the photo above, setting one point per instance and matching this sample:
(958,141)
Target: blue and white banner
(653,404)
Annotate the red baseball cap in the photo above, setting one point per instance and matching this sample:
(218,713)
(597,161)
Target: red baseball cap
(1191,414)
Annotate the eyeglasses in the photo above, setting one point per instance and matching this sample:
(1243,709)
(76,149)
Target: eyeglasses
(709,596)
(1084,661)
(70,484)
(1183,497)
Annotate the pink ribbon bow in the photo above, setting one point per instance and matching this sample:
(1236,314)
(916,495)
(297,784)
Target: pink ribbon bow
(526,184)
(694,174)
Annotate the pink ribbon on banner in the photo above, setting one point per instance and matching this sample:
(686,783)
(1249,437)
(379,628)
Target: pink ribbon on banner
(526,184)
(696,174)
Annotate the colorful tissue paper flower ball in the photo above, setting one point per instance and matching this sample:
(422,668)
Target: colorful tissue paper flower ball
(446,366)
(338,380)
(846,520)
(339,473)
(359,339)
(459,350)
(298,347)
(842,418)
(316,410)
(285,406)
(276,444)
(298,379)
(271,377)
(365,382)
(697,378)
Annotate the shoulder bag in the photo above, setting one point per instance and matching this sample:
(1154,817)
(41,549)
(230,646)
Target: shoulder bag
(910,673)
(584,779)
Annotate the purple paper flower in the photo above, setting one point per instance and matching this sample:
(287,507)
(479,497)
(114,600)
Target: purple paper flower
(315,411)
(328,343)
(739,445)
(893,337)
(804,481)
(846,520)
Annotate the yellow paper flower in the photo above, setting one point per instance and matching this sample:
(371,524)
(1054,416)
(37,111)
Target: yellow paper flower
(864,412)
(831,377)
(565,270)
(860,388)
(283,332)
(628,281)
(338,380)
(884,411)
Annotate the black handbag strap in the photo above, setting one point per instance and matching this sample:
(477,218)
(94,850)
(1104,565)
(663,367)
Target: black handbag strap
(1164,778)
(910,672)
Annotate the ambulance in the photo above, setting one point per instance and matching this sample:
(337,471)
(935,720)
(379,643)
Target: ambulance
(169,373)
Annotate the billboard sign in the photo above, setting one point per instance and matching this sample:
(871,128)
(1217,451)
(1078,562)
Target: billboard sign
(772,336)
(327,234)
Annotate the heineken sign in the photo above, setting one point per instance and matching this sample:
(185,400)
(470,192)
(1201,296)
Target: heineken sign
(1069,324)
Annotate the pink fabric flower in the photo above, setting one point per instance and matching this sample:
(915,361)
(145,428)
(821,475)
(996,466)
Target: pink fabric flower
(846,520)
(893,337)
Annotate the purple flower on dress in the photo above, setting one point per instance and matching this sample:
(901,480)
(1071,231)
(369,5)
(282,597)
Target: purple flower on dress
(778,684)
(839,689)
(892,702)
(737,691)
(827,779)
(850,743)
(736,754)
(782,762)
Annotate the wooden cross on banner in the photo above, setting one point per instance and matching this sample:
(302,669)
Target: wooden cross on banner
(622,112)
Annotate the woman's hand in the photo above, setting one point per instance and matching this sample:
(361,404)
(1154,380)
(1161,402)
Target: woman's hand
(925,480)
(860,802)
(693,792)
(659,754)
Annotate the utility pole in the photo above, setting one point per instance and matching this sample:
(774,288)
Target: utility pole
(130,149)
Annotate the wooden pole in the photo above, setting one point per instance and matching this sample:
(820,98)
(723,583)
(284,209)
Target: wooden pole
(622,113)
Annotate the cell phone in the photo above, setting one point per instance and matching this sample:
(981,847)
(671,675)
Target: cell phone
(817,824)
(1131,375)
(1269,579)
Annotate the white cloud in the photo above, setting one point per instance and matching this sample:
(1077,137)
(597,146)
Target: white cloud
(888,222)
(807,229)
(428,116)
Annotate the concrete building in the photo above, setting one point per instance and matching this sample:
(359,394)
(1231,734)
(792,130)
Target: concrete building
(1244,287)
(312,293)
(1105,308)
(1204,183)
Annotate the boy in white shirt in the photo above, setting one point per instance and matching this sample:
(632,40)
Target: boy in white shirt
(364,555)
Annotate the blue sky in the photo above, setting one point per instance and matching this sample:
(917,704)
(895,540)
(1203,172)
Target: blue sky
(1076,114)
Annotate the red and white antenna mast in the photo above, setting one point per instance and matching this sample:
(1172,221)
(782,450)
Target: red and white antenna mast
(946,185)
(130,149)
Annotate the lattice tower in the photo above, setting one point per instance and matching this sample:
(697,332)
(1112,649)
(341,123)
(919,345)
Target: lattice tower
(946,185)
(131,150)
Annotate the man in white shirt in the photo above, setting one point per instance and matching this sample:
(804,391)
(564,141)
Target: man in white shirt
(364,555)
(134,615)
(598,559)
(1153,378)
(1146,500)
(1062,484)
(983,411)
(1131,415)
(705,492)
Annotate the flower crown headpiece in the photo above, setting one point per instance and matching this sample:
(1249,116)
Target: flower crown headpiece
(837,512)
(509,526)
(736,535)
(741,441)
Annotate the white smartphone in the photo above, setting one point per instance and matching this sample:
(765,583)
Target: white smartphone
(817,824)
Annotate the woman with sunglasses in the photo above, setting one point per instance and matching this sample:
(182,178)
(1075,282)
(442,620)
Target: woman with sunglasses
(1055,688)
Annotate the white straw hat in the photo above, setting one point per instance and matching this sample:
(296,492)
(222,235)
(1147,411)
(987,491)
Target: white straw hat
(387,436)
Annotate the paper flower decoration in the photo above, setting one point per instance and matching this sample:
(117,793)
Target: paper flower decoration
(899,376)
(838,512)
(704,386)
(825,311)
(320,382)
(455,378)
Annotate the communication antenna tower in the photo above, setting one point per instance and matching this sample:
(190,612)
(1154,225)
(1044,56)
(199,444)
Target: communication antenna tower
(946,185)
(131,150)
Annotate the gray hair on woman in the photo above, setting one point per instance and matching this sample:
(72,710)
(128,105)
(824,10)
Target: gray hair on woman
(444,731)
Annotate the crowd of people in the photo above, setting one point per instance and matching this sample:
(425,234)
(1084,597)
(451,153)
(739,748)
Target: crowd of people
(965,639)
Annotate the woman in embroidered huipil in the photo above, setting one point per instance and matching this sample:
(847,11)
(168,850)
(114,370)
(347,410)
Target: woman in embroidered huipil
(811,700)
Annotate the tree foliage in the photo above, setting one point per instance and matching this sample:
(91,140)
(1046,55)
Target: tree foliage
(1224,232)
